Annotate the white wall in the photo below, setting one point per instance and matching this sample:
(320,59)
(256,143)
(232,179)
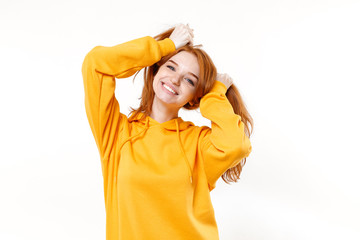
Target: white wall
(296,64)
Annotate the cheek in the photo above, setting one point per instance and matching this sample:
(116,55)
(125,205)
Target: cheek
(158,76)
(156,82)
(190,94)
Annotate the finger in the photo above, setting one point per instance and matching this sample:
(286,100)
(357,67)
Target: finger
(191,42)
(191,31)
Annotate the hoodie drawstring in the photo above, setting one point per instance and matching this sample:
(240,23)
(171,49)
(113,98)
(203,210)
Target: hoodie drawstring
(143,131)
(182,150)
(179,141)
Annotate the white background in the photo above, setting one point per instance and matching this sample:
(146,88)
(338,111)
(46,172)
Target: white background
(296,64)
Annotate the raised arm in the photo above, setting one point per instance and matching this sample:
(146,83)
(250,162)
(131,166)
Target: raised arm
(225,144)
(100,68)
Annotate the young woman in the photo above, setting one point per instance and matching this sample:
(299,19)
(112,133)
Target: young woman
(159,170)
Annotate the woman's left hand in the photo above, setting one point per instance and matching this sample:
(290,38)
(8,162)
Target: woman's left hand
(225,79)
(182,35)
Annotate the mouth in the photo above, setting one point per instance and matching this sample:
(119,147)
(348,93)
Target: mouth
(169,89)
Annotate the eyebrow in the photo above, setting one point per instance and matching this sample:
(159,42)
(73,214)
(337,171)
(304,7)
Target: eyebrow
(197,78)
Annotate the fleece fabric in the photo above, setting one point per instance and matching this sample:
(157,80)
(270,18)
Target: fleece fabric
(157,176)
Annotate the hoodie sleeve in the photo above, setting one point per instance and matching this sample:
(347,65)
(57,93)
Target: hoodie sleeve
(100,68)
(225,144)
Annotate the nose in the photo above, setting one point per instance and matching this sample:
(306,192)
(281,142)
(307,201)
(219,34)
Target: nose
(176,79)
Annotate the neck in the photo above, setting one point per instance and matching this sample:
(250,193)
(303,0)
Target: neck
(162,113)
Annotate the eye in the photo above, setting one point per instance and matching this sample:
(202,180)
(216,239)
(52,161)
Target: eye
(170,67)
(190,81)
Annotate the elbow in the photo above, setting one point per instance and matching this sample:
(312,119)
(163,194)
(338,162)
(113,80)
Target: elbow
(90,60)
(247,150)
(243,149)
(91,55)
(237,149)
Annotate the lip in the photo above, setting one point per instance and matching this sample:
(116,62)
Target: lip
(171,86)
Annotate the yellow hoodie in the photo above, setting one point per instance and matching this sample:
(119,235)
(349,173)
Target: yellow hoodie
(157,177)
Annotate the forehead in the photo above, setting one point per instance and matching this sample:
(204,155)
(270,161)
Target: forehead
(188,61)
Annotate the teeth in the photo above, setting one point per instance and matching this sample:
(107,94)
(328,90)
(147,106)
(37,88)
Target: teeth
(168,88)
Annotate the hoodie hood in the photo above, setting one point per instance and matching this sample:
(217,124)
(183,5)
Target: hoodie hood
(175,125)
(172,125)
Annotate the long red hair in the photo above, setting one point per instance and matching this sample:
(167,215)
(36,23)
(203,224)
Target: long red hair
(206,81)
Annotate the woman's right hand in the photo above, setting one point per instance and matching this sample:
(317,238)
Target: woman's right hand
(225,79)
(182,35)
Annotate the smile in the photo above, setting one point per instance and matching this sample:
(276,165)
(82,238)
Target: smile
(169,89)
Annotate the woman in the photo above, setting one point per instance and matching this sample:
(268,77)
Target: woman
(159,170)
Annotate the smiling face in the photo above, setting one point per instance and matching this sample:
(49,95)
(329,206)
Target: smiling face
(176,80)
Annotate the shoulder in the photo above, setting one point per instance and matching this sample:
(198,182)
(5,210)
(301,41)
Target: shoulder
(198,131)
